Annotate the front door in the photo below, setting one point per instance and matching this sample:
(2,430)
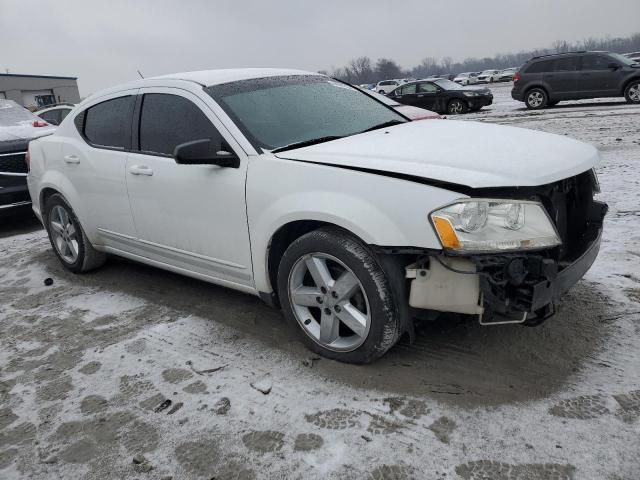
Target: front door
(596,78)
(192,217)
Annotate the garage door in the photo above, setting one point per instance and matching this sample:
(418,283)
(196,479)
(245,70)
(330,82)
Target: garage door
(37,98)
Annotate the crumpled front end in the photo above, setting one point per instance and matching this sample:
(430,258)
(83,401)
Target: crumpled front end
(517,286)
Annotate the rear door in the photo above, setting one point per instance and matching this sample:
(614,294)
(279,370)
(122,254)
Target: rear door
(95,162)
(596,78)
(406,95)
(562,75)
(427,95)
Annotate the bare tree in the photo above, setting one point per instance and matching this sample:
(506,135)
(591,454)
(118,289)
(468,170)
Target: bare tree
(446,64)
(386,68)
(362,70)
(560,46)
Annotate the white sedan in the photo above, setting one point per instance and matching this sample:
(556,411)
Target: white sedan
(469,78)
(489,76)
(310,194)
(56,114)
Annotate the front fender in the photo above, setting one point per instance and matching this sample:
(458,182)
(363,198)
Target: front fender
(378,209)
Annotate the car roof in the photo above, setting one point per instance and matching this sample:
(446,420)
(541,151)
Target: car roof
(216,77)
(579,52)
(205,78)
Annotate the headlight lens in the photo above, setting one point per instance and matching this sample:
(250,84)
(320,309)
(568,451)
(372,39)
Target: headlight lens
(471,94)
(494,225)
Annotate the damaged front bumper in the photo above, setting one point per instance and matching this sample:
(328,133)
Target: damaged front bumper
(515,287)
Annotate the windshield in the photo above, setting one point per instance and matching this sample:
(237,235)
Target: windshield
(12,114)
(382,98)
(273,112)
(448,84)
(622,59)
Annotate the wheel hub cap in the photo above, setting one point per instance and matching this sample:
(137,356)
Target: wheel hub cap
(63,234)
(329,302)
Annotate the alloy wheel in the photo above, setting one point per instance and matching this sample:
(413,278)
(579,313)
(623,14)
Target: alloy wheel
(456,107)
(64,234)
(634,92)
(329,302)
(535,99)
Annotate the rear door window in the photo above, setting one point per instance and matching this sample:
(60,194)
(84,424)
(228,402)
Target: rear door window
(52,117)
(108,124)
(167,121)
(427,87)
(541,67)
(566,64)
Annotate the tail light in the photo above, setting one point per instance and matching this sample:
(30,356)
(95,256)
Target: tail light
(516,77)
(39,123)
(27,160)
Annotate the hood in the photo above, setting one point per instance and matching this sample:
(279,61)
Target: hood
(472,154)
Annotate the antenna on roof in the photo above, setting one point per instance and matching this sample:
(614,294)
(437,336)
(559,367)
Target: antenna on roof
(141,76)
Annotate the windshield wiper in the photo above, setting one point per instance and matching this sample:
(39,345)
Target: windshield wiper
(390,123)
(306,143)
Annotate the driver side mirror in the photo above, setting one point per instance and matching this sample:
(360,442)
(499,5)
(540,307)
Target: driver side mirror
(613,66)
(201,152)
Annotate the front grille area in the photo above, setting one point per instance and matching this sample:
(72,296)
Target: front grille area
(569,203)
(13,162)
(517,282)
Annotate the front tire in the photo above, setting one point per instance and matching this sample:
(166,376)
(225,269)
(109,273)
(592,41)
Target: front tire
(69,242)
(536,99)
(632,92)
(457,107)
(334,291)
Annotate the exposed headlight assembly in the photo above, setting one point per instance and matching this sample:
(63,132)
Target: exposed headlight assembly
(483,226)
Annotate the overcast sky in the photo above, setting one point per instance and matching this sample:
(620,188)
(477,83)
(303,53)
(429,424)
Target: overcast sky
(104,42)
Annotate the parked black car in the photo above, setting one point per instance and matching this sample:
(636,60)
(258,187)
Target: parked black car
(442,96)
(17,127)
(544,81)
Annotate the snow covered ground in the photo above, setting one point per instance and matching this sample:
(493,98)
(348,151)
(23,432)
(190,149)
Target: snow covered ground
(132,372)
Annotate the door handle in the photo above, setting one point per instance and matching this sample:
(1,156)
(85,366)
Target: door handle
(71,159)
(420,96)
(140,170)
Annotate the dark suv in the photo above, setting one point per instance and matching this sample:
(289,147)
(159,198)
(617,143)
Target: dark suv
(546,80)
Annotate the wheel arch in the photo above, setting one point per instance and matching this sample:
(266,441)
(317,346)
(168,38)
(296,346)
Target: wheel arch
(55,183)
(541,86)
(284,236)
(45,194)
(627,82)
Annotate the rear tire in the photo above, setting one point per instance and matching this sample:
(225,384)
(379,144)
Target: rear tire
(311,276)
(632,92)
(536,99)
(457,107)
(69,242)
